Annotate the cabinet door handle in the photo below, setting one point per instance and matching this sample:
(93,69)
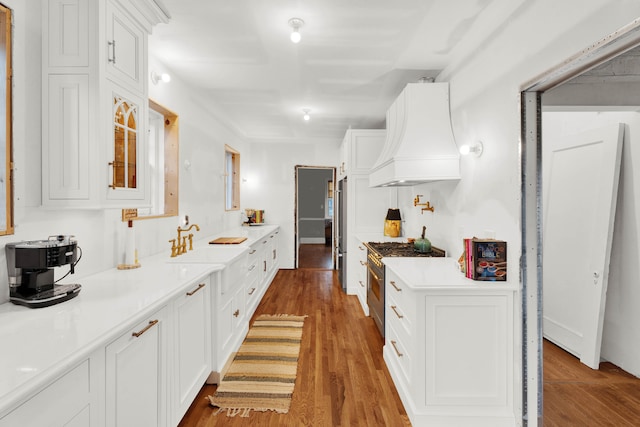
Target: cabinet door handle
(113,175)
(274,254)
(394,285)
(112,43)
(200,286)
(236,313)
(361,248)
(393,343)
(363,263)
(400,316)
(145,329)
(361,284)
(253,251)
(252,291)
(265,265)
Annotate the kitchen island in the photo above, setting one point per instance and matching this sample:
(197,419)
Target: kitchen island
(135,346)
(449,343)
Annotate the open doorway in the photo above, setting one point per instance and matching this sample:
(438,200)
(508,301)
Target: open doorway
(314,217)
(543,91)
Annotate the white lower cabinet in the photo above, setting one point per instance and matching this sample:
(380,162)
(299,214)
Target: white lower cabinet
(191,346)
(230,321)
(76,402)
(136,374)
(361,275)
(450,353)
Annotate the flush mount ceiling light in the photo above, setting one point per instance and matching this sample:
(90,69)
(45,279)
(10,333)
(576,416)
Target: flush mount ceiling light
(306,115)
(296,24)
(475,149)
(163,77)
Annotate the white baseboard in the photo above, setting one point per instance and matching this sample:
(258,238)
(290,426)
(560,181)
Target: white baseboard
(312,240)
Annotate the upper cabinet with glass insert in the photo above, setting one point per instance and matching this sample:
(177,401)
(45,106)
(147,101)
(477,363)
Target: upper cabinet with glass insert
(94,106)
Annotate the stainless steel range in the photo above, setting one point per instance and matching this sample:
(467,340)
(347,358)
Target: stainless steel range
(375,281)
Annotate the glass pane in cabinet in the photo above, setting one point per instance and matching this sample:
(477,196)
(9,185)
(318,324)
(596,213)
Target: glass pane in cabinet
(132,159)
(125,143)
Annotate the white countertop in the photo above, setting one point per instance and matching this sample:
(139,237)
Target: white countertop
(39,344)
(432,273)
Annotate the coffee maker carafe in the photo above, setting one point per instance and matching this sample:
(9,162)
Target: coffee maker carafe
(31,280)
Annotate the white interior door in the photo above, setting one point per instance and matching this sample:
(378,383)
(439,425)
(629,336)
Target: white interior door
(581,185)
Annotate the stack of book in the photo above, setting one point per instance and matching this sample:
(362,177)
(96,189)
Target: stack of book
(484,259)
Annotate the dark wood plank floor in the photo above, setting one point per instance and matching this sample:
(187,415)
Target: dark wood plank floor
(576,395)
(342,379)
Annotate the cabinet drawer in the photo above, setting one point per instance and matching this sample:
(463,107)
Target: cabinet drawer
(399,352)
(252,289)
(403,296)
(400,316)
(65,402)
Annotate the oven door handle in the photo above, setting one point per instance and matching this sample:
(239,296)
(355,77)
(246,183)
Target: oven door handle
(373,272)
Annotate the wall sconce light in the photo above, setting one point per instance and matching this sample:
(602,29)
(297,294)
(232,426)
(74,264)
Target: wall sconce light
(163,77)
(475,148)
(306,115)
(296,24)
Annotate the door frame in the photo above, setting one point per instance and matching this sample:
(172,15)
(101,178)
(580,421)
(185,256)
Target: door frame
(607,48)
(296,236)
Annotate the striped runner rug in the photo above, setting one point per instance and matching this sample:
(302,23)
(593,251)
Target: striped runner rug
(262,375)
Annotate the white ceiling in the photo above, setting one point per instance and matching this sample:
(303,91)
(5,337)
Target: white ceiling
(354,58)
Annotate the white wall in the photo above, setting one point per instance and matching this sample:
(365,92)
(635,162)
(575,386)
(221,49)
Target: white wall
(270,185)
(621,336)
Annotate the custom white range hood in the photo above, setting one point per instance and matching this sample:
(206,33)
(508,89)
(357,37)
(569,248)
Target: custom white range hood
(420,146)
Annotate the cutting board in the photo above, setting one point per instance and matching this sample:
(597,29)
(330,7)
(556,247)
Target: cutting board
(227,240)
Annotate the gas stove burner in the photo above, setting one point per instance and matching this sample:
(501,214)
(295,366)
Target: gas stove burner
(398,249)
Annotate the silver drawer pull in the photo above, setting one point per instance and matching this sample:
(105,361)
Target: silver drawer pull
(400,316)
(361,284)
(252,291)
(253,251)
(393,343)
(363,263)
(394,285)
(361,248)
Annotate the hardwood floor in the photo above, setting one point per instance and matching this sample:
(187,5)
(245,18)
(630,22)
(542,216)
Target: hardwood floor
(576,395)
(315,256)
(342,379)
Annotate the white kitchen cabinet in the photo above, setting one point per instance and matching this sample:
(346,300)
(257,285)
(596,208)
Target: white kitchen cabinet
(271,255)
(126,48)
(81,81)
(450,352)
(230,321)
(191,345)
(136,374)
(255,275)
(361,274)
(75,397)
(366,207)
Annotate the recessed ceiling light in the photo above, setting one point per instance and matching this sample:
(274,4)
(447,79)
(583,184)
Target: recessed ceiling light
(306,115)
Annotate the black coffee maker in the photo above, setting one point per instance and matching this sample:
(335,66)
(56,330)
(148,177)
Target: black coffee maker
(31,280)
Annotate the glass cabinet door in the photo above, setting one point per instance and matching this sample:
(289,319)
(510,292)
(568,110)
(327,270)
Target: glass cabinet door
(125,143)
